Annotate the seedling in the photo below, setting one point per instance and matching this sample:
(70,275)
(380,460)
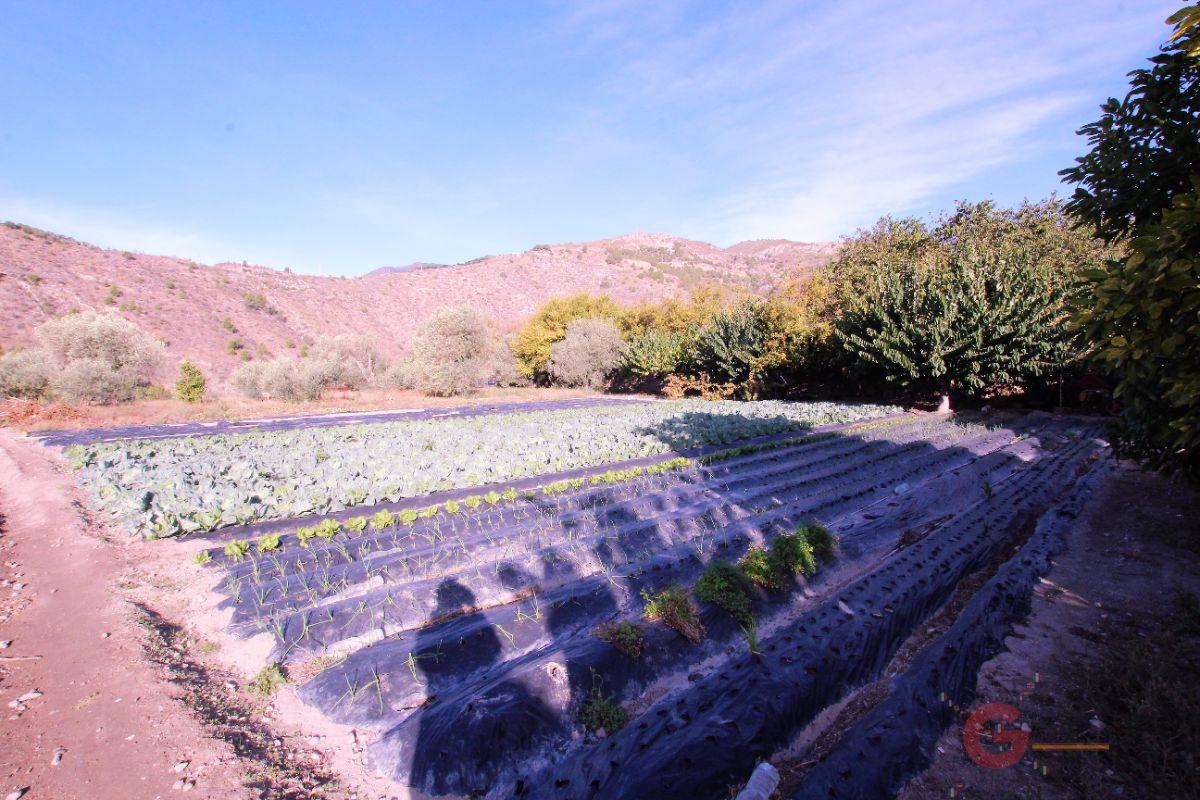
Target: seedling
(327,528)
(355,524)
(237,549)
(203,557)
(382,519)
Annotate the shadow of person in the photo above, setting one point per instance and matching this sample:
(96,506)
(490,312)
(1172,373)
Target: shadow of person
(457,642)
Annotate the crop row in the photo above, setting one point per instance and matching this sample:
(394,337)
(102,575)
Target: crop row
(169,486)
(350,589)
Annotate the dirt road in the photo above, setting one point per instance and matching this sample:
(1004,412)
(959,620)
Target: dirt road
(97,719)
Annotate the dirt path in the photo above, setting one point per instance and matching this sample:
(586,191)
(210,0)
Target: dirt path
(1112,596)
(102,707)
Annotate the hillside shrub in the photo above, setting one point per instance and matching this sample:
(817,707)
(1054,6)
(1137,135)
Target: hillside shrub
(247,379)
(587,353)
(502,369)
(23,374)
(191,386)
(450,351)
(356,358)
(96,358)
(549,325)
(400,375)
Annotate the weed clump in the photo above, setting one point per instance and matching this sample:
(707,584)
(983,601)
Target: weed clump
(625,637)
(724,585)
(675,610)
(820,539)
(600,712)
(762,569)
(268,681)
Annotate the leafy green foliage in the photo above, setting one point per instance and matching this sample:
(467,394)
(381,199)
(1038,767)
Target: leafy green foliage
(1140,184)
(674,609)
(655,353)
(1143,315)
(724,585)
(1144,148)
(984,307)
(202,557)
(793,555)
(355,524)
(761,569)
(237,549)
(268,542)
(626,637)
(191,386)
(727,348)
(382,519)
(820,539)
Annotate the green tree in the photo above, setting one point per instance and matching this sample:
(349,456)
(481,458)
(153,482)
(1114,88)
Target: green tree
(727,349)
(1139,185)
(974,304)
(191,386)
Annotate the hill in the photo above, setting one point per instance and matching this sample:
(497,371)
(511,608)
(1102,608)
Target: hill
(198,309)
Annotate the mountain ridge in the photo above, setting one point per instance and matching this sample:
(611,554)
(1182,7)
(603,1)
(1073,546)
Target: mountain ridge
(215,313)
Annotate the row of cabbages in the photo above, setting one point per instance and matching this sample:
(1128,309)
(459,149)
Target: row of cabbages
(170,486)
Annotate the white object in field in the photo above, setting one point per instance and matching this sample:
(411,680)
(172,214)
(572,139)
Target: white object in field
(762,783)
(944,406)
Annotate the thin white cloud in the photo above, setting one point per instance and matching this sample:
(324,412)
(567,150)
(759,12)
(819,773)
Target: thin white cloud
(815,119)
(105,228)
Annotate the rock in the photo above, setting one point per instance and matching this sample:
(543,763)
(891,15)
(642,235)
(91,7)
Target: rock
(845,609)
(105,635)
(7,643)
(902,489)
(30,695)
(17,794)
(1097,723)
(180,766)
(58,756)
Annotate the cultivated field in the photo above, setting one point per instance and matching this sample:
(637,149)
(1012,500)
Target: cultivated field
(543,602)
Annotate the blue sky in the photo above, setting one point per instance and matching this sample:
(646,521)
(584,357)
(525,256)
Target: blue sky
(335,138)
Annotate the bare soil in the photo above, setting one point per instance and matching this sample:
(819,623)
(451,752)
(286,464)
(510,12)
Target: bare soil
(120,700)
(1111,592)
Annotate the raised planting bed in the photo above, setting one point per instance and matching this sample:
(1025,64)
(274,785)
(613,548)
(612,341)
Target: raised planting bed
(165,487)
(548,638)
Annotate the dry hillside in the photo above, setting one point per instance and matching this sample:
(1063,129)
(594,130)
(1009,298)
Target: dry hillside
(198,309)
